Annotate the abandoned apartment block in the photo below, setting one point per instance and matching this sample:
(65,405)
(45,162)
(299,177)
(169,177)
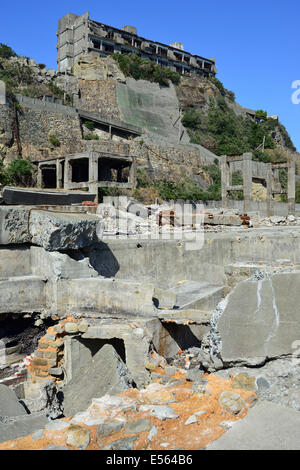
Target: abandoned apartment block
(87,170)
(79,35)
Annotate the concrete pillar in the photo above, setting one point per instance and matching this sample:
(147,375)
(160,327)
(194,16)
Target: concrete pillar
(224,179)
(93,167)
(247,180)
(132,172)
(291,187)
(39,176)
(93,188)
(58,174)
(269,190)
(68,173)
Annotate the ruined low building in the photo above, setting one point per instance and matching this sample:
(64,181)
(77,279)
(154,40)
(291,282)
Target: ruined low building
(79,35)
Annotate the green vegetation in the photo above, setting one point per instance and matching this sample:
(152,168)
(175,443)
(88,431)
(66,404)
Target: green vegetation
(90,125)
(6,52)
(54,140)
(91,137)
(145,69)
(261,115)
(59,93)
(221,88)
(297,196)
(18,172)
(15,75)
(185,188)
(191,119)
(225,133)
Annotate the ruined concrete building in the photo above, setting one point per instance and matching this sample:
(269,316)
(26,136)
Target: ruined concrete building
(79,35)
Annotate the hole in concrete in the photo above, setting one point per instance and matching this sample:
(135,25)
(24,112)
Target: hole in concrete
(16,330)
(94,345)
(177,337)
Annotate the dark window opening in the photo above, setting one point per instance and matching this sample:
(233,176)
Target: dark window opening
(108,48)
(80,170)
(113,170)
(49,177)
(96,43)
(178,56)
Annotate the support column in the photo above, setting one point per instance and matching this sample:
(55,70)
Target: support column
(269,190)
(132,173)
(247,180)
(224,179)
(93,167)
(39,176)
(68,173)
(291,187)
(58,175)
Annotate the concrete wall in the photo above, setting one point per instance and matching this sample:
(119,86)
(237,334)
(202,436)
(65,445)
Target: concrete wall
(280,208)
(164,263)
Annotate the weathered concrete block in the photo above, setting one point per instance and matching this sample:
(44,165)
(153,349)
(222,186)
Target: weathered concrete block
(14,225)
(260,319)
(51,230)
(96,375)
(59,265)
(22,294)
(57,231)
(9,404)
(81,296)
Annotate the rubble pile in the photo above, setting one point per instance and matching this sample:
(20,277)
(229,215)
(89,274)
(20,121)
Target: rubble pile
(180,414)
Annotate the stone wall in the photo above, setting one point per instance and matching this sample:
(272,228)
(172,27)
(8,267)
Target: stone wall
(100,96)
(36,125)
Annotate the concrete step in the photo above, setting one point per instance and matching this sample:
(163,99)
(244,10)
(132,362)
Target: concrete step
(197,295)
(22,294)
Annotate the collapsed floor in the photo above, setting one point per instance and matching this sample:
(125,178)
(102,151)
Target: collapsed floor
(199,332)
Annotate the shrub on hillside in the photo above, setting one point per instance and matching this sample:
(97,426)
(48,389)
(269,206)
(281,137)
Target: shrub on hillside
(145,69)
(19,172)
(6,51)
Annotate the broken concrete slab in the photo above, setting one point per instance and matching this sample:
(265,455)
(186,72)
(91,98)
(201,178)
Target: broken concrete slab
(57,231)
(97,374)
(197,295)
(9,403)
(52,230)
(50,264)
(14,225)
(267,426)
(22,426)
(259,320)
(136,335)
(164,298)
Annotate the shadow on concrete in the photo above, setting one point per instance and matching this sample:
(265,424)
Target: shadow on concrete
(182,335)
(103,260)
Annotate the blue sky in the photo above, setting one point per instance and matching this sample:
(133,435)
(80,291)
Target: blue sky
(256,45)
